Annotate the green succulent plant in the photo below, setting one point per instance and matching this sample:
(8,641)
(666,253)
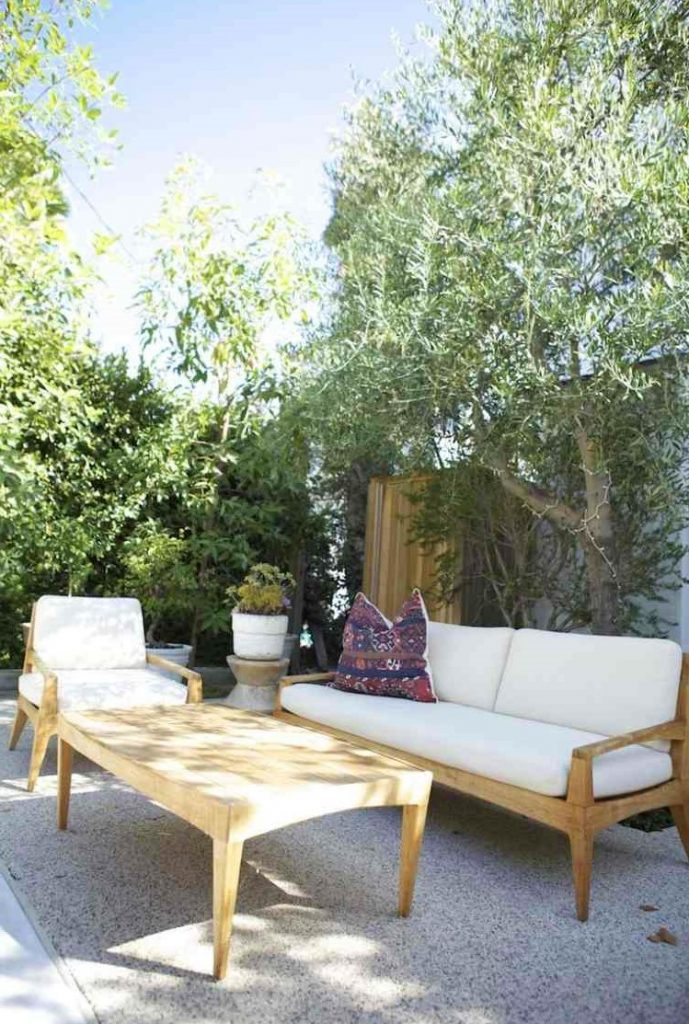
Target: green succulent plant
(264,591)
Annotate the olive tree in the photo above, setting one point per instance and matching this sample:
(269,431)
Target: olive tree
(510,228)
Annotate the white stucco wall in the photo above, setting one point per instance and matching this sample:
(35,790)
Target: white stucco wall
(682,630)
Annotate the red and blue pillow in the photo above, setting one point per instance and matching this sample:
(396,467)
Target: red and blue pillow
(383,658)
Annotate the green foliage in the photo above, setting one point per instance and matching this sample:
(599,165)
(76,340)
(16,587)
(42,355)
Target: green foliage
(158,569)
(109,480)
(263,591)
(95,448)
(511,225)
(216,286)
(514,569)
(219,301)
(50,100)
(52,96)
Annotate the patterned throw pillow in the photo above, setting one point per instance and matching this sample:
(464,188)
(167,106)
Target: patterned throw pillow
(386,659)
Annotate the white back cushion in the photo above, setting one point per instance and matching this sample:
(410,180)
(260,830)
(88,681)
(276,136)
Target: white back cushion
(467,662)
(89,632)
(602,684)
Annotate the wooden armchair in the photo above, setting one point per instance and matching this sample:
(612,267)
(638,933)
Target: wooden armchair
(89,652)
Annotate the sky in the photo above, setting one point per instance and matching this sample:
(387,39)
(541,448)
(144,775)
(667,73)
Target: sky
(241,84)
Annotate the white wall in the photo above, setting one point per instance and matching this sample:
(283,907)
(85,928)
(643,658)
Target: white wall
(682,616)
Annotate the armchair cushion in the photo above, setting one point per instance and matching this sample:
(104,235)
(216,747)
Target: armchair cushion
(533,755)
(105,688)
(89,632)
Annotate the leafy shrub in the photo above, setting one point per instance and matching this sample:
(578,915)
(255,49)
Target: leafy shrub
(158,570)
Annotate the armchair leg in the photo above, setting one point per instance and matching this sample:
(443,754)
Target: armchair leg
(45,727)
(680,814)
(581,844)
(20,720)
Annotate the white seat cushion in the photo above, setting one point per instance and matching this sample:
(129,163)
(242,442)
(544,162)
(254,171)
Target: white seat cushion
(532,755)
(105,688)
(604,684)
(89,632)
(467,662)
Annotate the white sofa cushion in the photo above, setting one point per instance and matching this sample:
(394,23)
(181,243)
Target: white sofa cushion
(89,632)
(468,662)
(532,755)
(105,688)
(603,684)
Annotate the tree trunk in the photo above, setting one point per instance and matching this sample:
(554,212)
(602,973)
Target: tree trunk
(195,630)
(598,538)
(603,590)
(594,528)
(297,613)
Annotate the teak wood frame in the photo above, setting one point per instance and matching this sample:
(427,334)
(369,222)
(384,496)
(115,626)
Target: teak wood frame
(43,716)
(229,812)
(579,814)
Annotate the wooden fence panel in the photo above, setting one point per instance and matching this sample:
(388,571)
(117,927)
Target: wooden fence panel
(394,562)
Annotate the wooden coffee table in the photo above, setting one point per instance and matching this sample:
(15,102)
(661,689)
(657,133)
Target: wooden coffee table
(237,774)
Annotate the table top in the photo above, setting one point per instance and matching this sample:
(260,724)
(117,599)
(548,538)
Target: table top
(201,758)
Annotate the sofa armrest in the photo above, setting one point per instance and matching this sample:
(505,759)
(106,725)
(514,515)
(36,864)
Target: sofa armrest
(674,730)
(194,680)
(580,788)
(316,677)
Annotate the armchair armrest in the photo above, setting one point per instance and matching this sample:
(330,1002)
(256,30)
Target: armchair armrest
(38,663)
(194,680)
(674,730)
(49,695)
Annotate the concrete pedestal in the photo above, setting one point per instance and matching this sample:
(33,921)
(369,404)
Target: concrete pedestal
(257,683)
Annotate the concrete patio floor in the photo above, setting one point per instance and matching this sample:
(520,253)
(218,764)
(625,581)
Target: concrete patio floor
(125,897)
(34,986)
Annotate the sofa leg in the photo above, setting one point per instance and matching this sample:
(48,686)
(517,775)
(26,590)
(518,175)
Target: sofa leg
(43,731)
(680,814)
(20,720)
(581,844)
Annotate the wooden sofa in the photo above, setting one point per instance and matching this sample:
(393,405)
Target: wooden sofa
(577,720)
(89,652)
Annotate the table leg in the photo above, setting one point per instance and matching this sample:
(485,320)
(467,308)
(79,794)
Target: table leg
(227,859)
(64,781)
(413,821)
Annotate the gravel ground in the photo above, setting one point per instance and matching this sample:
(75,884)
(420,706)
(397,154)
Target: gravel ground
(124,895)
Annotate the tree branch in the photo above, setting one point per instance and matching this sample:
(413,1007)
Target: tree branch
(538,500)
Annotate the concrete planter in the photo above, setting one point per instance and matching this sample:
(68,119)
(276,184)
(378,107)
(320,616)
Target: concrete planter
(257,682)
(259,637)
(9,678)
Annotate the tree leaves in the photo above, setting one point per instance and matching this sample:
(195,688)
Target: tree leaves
(510,228)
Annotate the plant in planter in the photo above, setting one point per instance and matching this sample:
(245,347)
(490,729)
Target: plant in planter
(159,572)
(259,617)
